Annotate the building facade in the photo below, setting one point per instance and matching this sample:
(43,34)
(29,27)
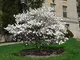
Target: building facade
(67,9)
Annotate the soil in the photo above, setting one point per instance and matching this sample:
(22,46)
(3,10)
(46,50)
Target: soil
(44,52)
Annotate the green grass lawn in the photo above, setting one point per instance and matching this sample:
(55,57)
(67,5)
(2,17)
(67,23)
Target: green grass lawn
(72,52)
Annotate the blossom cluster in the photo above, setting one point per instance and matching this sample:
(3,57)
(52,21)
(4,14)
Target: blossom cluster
(39,24)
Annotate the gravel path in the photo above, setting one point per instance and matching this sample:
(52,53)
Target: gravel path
(2,44)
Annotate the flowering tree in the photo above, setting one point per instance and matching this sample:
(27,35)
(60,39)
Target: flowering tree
(39,26)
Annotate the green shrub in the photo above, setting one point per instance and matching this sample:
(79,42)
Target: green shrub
(0,22)
(69,34)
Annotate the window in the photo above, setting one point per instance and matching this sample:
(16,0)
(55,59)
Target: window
(79,21)
(79,24)
(78,9)
(64,11)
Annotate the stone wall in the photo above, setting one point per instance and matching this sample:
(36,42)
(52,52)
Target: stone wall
(5,38)
(2,38)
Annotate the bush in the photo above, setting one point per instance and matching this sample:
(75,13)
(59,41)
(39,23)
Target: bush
(0,22)
(39,26)
(69,34)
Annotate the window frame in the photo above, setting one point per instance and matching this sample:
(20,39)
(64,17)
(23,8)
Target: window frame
(64,11)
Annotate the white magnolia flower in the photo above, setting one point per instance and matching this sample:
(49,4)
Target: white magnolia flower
(61,42)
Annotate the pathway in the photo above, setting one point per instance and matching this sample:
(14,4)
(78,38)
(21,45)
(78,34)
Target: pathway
(2,44)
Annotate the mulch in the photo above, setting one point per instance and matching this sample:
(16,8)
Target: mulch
(44,52)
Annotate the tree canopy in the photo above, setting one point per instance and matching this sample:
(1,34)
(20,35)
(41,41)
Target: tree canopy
(13,7)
